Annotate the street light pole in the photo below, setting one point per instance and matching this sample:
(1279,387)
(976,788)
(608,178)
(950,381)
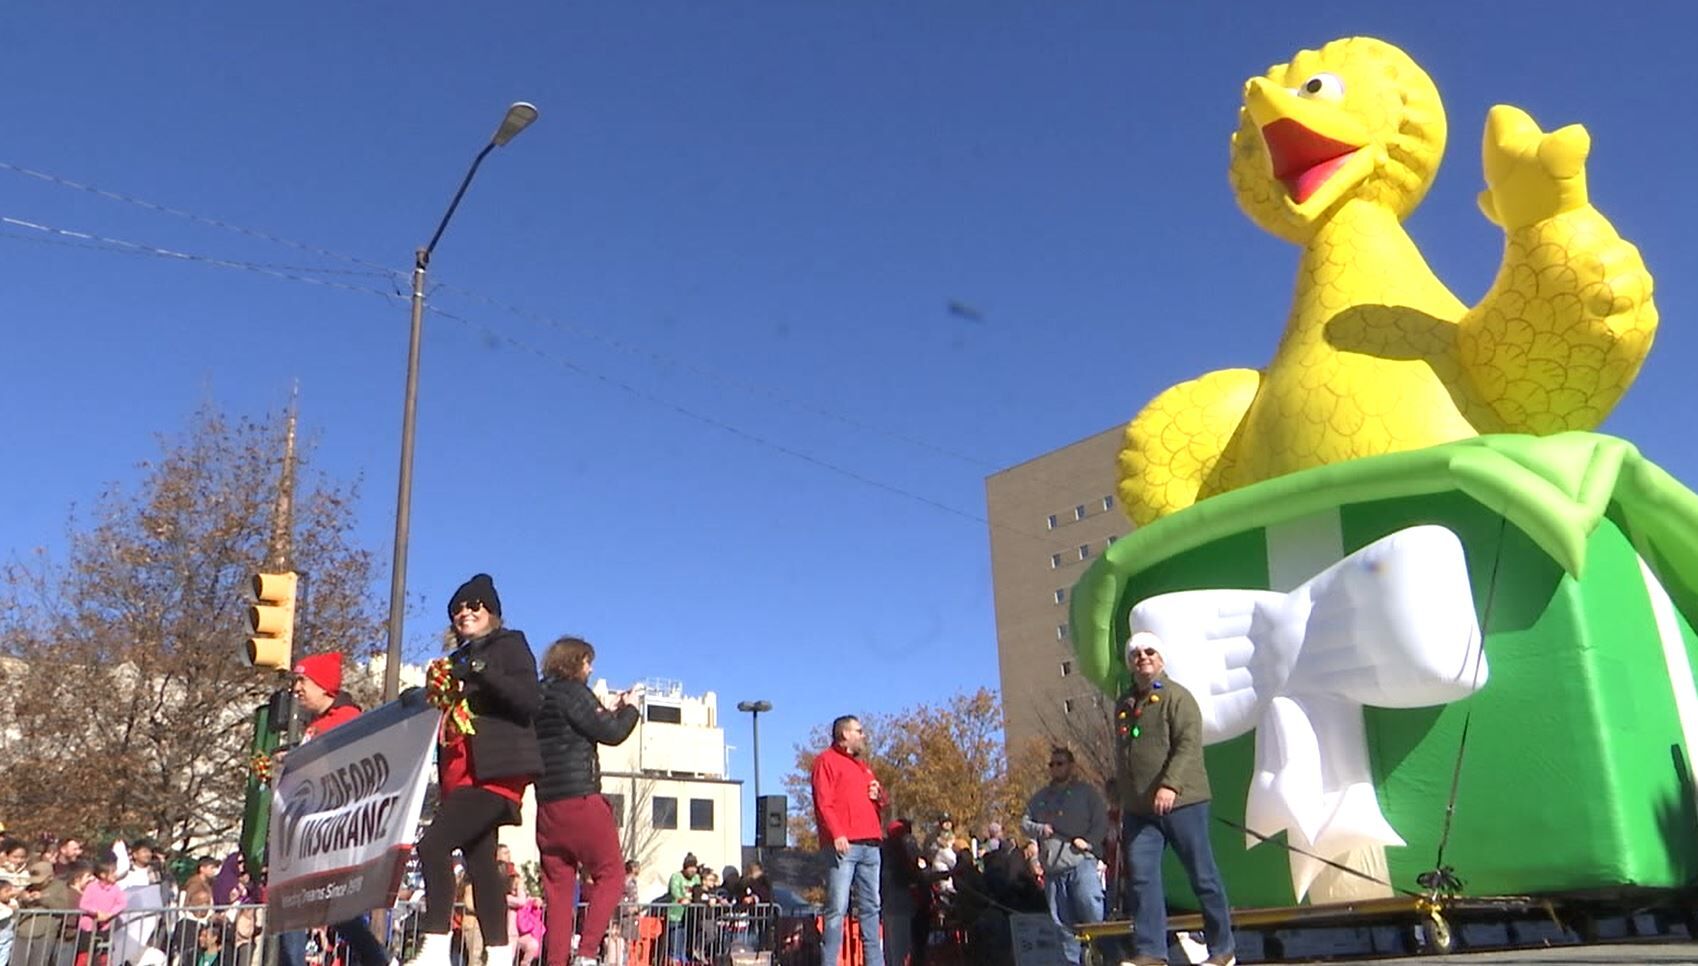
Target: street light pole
(519,116)
(754,708)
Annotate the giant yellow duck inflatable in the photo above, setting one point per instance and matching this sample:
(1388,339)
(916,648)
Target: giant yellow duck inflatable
(1332,152)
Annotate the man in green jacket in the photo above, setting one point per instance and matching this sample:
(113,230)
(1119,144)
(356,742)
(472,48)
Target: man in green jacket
(1164,799)
(42,920)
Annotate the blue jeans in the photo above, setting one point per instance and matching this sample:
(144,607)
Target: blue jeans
(292,947)
(678,940)
(1075,897)
(1146,836)
(366,948)
(362,945)
(859,869)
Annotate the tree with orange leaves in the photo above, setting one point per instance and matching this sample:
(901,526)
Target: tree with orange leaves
(934,759)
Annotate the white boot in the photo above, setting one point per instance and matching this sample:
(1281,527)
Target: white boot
(498,955)
(433,951)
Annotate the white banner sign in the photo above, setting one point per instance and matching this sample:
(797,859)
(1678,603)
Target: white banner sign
(343,814)
(130,939)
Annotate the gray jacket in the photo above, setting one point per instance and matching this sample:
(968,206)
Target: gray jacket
(1074,810)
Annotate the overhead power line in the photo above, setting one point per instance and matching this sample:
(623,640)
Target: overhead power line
(567,328)
(219,223)
(710,420)
(310,275)
(88,240)
(94,242)
(657,358)
(661,359)
(717,377)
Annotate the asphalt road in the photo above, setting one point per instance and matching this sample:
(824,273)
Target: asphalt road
(1652,951)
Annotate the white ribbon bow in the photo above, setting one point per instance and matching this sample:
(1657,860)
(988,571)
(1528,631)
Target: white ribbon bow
(1392,625)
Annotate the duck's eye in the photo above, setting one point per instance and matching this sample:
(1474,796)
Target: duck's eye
(1326,87)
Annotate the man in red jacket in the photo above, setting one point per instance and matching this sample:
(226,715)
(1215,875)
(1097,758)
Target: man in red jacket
(847,800)
(318,692)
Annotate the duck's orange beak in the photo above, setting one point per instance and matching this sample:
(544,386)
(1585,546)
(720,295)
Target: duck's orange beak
(1308,139)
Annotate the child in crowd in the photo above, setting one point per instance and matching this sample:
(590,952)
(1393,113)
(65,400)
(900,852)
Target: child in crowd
(524,921)
(102,900)
(8,909)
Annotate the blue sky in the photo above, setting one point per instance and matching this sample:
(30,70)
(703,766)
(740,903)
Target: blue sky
(730,214)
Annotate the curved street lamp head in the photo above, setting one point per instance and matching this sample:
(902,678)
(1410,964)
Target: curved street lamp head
(519,117)
(754,706)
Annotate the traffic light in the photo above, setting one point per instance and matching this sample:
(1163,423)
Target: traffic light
(271,621)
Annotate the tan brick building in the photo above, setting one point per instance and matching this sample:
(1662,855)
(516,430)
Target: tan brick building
(1050,518)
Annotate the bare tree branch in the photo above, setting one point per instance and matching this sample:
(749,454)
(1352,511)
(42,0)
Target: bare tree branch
(129,706)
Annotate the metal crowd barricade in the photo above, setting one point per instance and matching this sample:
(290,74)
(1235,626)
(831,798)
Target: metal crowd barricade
(401,927)
(656,934)
(707,934)
(171,936)
(179,935)
(652,934)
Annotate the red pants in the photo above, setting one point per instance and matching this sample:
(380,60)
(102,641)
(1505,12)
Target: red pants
(574,832)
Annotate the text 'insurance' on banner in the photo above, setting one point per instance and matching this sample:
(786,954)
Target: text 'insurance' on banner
(343,815)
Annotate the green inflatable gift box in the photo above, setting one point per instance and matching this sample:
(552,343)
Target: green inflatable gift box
(1565,726)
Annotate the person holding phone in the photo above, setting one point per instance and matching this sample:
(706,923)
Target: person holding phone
(575,827)
(848,800)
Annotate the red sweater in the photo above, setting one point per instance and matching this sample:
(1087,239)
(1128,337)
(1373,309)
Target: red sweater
(454,769)
(841,805)
(340,713)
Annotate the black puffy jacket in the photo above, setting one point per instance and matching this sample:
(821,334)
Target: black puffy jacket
(499,679)
(569,726)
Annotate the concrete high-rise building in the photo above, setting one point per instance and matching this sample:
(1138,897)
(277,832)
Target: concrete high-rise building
(1050,518)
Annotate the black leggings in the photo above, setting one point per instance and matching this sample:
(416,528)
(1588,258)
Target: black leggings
(467,819)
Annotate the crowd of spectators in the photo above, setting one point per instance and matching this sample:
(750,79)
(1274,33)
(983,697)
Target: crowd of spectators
(61,896)
(61,899)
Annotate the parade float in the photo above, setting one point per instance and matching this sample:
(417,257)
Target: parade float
(1441,631)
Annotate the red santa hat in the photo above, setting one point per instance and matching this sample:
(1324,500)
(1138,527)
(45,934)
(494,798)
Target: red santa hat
(324,670)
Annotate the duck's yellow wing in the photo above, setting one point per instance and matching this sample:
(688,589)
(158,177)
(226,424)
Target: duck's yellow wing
(1569,320)
(1175,445)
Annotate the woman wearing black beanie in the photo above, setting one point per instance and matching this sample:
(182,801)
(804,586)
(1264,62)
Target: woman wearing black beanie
(486,756)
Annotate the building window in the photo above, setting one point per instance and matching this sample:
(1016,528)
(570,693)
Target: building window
(1084,550)
(666,713)
(617,804)
(1079,512)
(1061,632)
(1054,560)
(701,814)
(665,812)
(1108,503)
(1052,521)
(1066,668)
(1111,540)
(1061,595)
(1066,705)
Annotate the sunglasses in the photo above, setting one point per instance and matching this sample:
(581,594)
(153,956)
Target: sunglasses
(471,605)
(1145,652)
